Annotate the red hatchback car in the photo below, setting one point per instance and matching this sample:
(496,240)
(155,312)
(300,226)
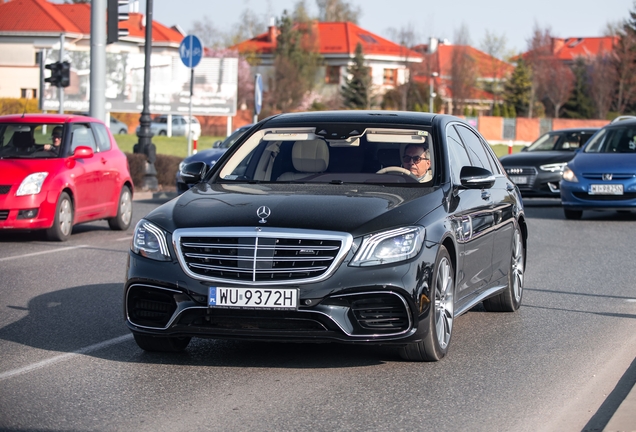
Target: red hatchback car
(59,170)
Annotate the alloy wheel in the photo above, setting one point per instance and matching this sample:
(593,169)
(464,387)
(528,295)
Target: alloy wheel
(444,304)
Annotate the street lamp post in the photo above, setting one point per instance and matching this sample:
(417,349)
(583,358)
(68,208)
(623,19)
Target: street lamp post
(431,94)
(145,145)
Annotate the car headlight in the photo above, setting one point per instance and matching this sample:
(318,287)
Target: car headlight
(568,175)
(389,246)
(554,167)
(32,184)
(150,241)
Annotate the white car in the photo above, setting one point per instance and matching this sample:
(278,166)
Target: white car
(159,126)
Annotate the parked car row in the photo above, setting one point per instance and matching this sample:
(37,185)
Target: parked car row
(180,126)
(587,169)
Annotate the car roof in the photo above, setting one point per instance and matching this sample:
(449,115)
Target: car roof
(46,118)
(621,123)
(570,130)
(354,116)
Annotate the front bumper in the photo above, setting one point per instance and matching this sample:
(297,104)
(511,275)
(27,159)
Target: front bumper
(371,305)
(575,196)
(14,210)
(539,184)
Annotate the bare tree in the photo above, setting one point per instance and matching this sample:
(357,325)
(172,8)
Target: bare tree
(539,54)
(602,75)
(406,37)
(624,63)
(337,11)
(556,83)
(495,47)
(463,75)
(210,36)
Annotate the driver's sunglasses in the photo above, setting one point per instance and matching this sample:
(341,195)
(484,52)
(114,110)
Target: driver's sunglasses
(415,159)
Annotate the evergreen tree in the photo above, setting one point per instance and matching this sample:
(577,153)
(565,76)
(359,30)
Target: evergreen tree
(580,105)
(356,93)
(517,89)
(496,110)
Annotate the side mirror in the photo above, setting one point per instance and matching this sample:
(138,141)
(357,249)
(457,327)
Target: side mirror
(217,144)
(193,172)
(524,149)
(476,178)
(83,152)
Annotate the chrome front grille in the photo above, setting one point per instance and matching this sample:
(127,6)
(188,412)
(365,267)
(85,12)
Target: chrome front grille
(615,177)
(259,256)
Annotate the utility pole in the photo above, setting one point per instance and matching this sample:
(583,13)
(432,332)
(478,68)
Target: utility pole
(145,145)
(60,89)
(97,100)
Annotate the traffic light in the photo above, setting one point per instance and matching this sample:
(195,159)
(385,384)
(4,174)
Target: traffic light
(60,74)
(113,32)
(65,74)
(54,79)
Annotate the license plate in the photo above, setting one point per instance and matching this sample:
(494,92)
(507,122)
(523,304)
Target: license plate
(519,179)
(606,189)
(253,298)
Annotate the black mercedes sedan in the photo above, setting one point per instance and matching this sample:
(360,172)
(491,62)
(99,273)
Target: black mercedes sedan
(368,227)
(538,168)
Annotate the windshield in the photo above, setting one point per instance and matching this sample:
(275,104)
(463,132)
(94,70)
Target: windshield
(30,140)
(303,154)
(613,140)
(560,141)
(229,141)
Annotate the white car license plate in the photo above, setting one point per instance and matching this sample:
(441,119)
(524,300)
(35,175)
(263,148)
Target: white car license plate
(606,189)
(519,179)
(253,298)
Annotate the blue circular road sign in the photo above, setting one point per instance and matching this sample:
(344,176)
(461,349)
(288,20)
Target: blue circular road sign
(191,51)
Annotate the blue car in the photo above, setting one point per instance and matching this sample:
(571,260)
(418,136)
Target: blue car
(602,175)
(210,156)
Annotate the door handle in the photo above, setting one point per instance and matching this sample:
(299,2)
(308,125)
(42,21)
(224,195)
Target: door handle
(104,161)
(485,195)
(509,187)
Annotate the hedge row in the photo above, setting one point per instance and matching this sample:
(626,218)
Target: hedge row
(165,165)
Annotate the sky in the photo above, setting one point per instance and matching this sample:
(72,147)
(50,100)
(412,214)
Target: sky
(512,19)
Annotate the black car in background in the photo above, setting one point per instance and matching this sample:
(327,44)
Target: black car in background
(210,156)
(538,168)
(310,230)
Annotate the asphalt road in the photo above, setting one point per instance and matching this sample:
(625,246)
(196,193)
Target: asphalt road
(563,362)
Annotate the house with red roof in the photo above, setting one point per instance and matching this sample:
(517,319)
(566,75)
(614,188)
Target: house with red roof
(569,49)
(336,42)
(28,27)
(489,72)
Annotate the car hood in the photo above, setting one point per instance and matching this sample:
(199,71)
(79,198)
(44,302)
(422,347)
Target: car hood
(13,171)
(604,163)
(537,158)
(208,156)
(356,209)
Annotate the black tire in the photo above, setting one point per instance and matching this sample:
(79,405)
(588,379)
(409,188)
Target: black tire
(435,344)
(123,131)
(510,299)
(63,222)
(162,133)
(573,214)
(161,344)
(123,219)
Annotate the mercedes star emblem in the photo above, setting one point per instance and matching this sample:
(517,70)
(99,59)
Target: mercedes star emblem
(263,212)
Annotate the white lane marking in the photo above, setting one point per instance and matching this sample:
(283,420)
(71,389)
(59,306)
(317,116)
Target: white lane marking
(42,252)
(59,358)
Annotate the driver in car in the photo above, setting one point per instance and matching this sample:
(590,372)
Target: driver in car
(417,160)
(56,138)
